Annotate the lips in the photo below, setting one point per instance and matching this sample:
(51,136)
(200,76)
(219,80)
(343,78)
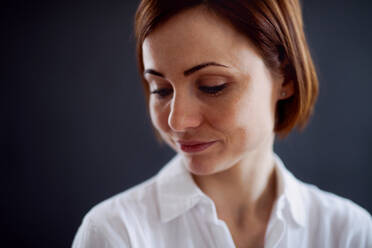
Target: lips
(194,146)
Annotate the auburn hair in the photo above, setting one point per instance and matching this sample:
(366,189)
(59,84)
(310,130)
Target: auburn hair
(275,27)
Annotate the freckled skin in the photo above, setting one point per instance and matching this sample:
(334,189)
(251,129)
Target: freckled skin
(240,118)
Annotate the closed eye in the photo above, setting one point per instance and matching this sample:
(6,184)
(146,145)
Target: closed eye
(163,92)
(213,90)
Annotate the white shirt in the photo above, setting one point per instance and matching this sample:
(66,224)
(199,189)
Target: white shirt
(169,210)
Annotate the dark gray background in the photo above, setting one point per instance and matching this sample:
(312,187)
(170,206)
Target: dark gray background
(76,130)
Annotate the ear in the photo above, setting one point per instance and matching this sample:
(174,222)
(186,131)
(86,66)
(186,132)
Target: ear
(286,90)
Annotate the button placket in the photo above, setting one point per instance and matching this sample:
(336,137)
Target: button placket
(276,227)
(219,234)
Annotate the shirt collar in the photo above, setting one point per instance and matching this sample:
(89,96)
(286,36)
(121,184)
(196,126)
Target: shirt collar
(289,190)
(177,192)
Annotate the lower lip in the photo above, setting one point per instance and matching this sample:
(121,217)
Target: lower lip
(196,148)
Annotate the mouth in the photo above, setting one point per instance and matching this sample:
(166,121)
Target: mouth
(194,146)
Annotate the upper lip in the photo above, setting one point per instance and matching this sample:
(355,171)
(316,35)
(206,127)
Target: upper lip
(192,142)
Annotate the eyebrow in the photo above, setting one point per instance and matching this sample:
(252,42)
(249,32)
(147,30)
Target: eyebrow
(201,66)
(156,73)
(188,71)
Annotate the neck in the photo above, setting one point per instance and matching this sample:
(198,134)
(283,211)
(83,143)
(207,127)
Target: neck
(248,187)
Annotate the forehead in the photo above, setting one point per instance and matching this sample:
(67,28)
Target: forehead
(195,36)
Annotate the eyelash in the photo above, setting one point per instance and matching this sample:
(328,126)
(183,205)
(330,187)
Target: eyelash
(213,90)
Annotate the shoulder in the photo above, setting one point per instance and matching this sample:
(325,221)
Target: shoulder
(132,199)
(111,222)
(340,218)
(323,202)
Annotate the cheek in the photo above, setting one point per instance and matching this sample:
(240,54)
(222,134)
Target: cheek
(236,111)
(246,119)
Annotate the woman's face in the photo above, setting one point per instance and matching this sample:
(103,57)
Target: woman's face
(209,86)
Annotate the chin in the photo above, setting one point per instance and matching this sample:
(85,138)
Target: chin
(200,166)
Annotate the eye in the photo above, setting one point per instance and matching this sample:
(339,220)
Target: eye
(213,90)
(162,93)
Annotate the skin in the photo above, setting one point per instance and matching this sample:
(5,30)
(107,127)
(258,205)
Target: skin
(237,171)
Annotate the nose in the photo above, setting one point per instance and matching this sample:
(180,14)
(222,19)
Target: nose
(184,113)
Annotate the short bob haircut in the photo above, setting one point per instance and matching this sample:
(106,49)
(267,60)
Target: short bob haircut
(275,27)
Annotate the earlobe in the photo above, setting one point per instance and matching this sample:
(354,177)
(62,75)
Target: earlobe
(286,90)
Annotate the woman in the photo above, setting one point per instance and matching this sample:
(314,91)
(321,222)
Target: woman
(222,78)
